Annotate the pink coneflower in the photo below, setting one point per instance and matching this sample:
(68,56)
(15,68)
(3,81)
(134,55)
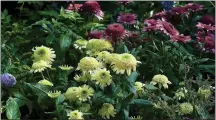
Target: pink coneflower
(115,31)
(94,8)
(95,34)
(209,42)
(127,18)
(162,14)
(133,35)
(204,26)
(167,28)
(74,7)
(193,7)
(151,25)
(180,38)
(179,10)
(208,19)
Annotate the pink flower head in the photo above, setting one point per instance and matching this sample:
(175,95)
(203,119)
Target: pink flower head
(193,7)
(134,35)
(204,26)
(74,7)
(208,19)
(94,8)
(178,10)
(127,18)
(115,31)
(162,14)
(151,25)
(180,38)
(209,42)
(167,28)
(95,34)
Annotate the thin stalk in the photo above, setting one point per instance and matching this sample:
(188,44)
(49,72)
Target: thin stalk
(42,75)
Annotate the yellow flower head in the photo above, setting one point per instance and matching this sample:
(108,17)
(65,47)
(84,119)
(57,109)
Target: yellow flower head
(185,108)
(85,92)
(84,107)
(161,80)
(139,88)
(102,77)
(180,93)
(83,78)
(107,110)
(65,67)
(136,118)
(79,44)
(124,62)
(43,53)
(75,115)
(103,56)
(39,66)
(88,64)
(204,93)
(45,82)
(71,94)
(54,94)
(99,45)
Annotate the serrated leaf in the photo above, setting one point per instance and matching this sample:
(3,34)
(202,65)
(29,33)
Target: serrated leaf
(49,39)
(12,109)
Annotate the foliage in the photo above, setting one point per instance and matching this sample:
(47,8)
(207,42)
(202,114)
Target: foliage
(52,25)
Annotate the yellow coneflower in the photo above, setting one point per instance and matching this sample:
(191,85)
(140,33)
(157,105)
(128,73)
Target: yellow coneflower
(45,82)
(71,94)
(85,92)
(54,94)
(88,64)
(75,115)
(107,111)
(102,77)
(43,53)
(124,63)
(80,44)
(66,67)
(161,80)
(39,66)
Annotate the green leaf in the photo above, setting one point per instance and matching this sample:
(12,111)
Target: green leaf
(60,99)
(131,87)
(12,109)
(38,89)
(172,77)
(141,102)
(65,42)
(49,39)
(133,76)
(200,60)
(150,87)
(52,13)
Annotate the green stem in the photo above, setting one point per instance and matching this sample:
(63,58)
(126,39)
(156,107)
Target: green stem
(48,75)
(42,75)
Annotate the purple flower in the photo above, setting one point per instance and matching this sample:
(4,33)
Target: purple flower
(167,5)
(8,80)
(95,34)
(127,18)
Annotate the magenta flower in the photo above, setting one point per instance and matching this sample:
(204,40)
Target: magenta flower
(151,25)
(179,10)
(162,14)
(204,26)
(127,18)
(193,7)
(94,8)
(208,19)
(167,28)
(74,7)
(95,34)
(115,31)
(180,38)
